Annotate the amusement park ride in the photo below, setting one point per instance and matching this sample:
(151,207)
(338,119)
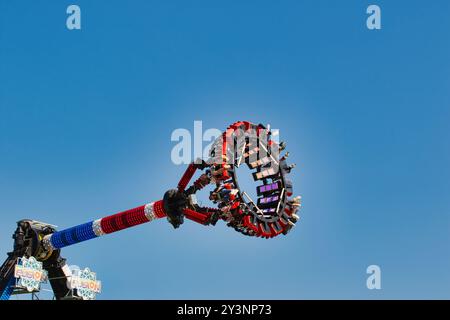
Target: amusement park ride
(36,255)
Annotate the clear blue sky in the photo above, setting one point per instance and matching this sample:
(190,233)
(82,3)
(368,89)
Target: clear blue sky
(86,118)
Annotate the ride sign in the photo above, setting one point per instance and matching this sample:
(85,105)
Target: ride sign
(29,273)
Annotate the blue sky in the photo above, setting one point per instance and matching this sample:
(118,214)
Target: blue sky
(86,118)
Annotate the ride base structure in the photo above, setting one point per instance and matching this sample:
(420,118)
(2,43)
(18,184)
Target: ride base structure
(36,254)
